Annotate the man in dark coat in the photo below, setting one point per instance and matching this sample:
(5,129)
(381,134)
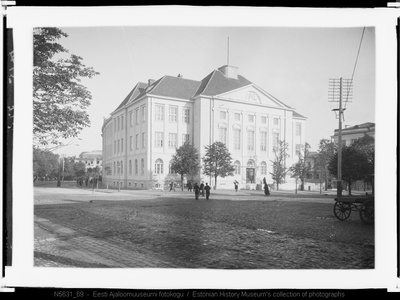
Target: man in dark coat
(202,188)
(196,190)
(207,189)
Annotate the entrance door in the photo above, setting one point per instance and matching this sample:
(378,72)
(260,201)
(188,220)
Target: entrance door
(250,172)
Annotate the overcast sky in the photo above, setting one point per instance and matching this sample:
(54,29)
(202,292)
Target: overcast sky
(292,64)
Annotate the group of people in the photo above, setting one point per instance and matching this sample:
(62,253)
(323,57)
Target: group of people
(199,189)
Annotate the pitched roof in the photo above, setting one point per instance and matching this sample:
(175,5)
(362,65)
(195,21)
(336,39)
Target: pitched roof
(176,87)
(136,91)
(217,83)
(297,115)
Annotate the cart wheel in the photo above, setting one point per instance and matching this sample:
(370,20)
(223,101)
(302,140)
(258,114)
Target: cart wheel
(367,212)
(342,210)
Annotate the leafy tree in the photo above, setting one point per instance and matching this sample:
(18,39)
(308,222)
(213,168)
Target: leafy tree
(279,169)
(299,170)
(366,144)
(59,98)
(354,165)
(217,161)
(326,150)
(79,169)
(45,164)
(185,161)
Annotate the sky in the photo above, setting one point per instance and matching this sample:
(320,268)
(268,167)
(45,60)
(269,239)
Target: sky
(291,63)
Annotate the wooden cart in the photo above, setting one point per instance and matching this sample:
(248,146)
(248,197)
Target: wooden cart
(363,204)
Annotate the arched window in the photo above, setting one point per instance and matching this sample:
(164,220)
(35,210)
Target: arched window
(158,167)
(130,167)
(136,167)
(237,167)
(250,163)
(263,168)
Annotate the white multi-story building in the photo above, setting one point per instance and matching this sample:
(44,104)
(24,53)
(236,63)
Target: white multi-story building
(142,134)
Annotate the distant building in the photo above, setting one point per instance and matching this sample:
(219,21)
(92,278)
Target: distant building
(91,159)
(352,133)
(157,117)
(349,135)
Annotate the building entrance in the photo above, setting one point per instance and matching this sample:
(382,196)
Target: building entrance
(250,172)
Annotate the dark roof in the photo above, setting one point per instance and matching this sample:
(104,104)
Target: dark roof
(360,126)
(297,115)
(136,91)
(217,83)
(176,87)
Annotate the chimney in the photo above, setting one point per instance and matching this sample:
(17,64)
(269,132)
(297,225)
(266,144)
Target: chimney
(229,71)
(150,82)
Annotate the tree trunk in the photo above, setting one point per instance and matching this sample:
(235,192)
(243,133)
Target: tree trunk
(349,183)
(215,184)
(182,182)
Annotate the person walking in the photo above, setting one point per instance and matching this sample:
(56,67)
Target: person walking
(207,188)
(190,186)
(266,190)
(196,190)
(202,188)
(236,183)
(172,186)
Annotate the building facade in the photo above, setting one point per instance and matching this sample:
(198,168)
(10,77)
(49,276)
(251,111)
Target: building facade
(142,134)
(352,133)
(91,159)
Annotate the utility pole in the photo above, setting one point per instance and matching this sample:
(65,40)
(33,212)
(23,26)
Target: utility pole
(336,95)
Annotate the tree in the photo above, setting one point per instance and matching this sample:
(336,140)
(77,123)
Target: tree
(279,169)
(45,164)
(366,144)
(354,165)
(299,170)
(325,152)
(79,169)
(59,98)
(217,161)
(185,161)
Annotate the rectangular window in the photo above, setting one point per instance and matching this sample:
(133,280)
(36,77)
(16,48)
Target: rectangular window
(143,140)
(137,116)
(236,139)
(222,135)
(115,147)
(137,141)
(251,118)
(115,125)
(298,149)
(131,143)
(173,113)
(276,121)
(118,146)
(185,138)
(122,145)
(222,115)
(298,129)
(263,141)
(130,118)
(275,140)
(186,115)
(159,141)
(172,140)
(119,123)
(143,109)
(263,120)
(237,116)
(122,122)
(159,112)
(250,140)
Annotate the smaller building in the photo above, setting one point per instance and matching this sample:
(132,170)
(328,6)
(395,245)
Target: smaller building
(91,159)
(352,133)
